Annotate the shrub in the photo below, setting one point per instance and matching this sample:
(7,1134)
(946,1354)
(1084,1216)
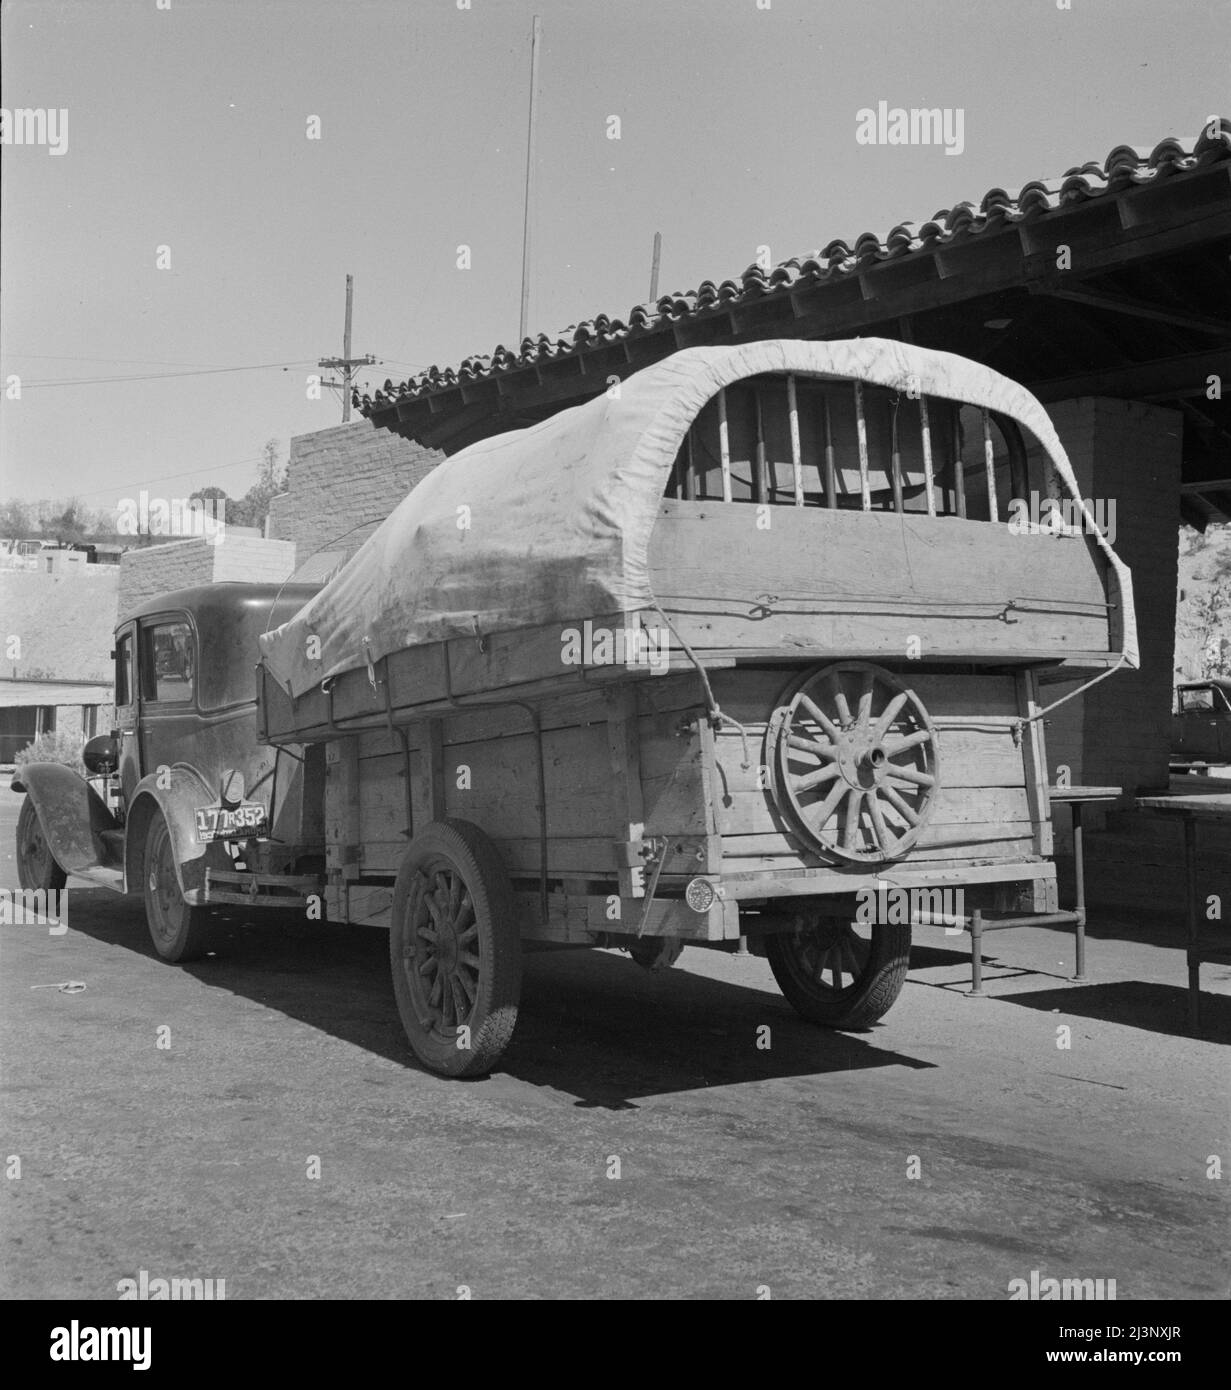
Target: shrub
(55,747)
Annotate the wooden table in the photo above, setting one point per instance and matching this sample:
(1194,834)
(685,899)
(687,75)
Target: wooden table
(982,922)
(1190,809)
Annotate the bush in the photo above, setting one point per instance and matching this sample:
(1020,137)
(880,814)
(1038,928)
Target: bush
(55,747)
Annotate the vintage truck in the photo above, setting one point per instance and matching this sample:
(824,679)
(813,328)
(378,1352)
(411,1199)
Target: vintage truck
(725,654)
(1201,725)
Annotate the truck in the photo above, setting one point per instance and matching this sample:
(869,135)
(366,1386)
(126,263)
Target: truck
(1201,725)
(743,653)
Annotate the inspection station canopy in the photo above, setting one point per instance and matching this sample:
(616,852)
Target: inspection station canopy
(553,523)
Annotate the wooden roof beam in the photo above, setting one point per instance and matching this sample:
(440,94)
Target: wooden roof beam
(1139,308)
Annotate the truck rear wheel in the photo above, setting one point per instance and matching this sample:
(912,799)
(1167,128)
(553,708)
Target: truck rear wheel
(839,973)
(36,866)
(179,932)
(455,950)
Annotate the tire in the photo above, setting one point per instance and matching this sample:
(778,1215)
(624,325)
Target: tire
(452,893)
(180,933)
(872,962)
(36,867)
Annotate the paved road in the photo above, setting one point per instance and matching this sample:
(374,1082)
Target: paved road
(739,1168)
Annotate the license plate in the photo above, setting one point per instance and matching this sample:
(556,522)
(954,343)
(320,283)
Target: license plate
(223,823)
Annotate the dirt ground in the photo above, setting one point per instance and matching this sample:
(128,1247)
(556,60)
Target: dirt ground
(636,1142)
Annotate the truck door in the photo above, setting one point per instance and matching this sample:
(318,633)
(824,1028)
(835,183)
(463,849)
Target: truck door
(127,710)
(166,666)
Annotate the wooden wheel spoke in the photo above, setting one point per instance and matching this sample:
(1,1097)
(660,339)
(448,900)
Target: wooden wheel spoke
(864,715)
(910,774)
(821,747)
(902,807)
(883,837)
(461,1005)
(890,713)
(850,826)
(829,806)
(819,715)
(900,745)
(843,708)
(817,778)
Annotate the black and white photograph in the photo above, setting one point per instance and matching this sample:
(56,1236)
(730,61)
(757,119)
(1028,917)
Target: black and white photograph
(615,665)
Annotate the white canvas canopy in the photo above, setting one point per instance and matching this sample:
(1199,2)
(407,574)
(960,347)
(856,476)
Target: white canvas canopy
(552,523)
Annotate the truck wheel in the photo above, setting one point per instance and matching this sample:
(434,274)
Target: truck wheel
(839,973)
(455,950)
(36,868)
(179,932)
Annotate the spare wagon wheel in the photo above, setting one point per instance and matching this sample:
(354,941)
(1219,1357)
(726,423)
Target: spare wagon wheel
(36,865)
(455,950)
(854,763)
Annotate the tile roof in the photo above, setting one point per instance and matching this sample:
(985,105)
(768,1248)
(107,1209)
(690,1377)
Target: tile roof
(1125,168)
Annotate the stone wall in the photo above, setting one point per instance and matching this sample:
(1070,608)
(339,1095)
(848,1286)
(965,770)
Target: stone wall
(342,483)
(158,569)
(1119,732)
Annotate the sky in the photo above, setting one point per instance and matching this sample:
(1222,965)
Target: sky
(188,130)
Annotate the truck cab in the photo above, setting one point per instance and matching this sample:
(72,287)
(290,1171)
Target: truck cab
(181,789)
(1201,724)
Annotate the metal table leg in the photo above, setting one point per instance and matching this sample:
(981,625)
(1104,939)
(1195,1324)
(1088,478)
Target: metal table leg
(976,953)
(1079,866)
(1190,895)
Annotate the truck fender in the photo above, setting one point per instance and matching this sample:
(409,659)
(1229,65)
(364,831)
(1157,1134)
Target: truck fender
(71,813)
(178,802)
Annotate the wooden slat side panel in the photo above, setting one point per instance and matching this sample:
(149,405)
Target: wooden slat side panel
(838,581)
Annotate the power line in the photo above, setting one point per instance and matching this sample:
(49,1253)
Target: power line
(162,376)
(126,361)
(170,477)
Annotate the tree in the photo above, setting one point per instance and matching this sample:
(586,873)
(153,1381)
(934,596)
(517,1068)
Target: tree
(16,521)
(72,524)
(253,507)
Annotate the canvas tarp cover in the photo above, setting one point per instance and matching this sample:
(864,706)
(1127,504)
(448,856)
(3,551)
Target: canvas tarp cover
(552,523)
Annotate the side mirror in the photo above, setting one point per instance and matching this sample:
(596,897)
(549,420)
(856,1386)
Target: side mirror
(101,755)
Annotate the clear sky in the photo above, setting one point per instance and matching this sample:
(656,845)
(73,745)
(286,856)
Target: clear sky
(187,129)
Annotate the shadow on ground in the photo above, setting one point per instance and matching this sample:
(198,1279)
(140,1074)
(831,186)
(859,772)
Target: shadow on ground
(1136,1004)
(592,1024)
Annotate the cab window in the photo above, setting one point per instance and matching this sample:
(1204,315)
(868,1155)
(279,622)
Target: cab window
(168,662)
(1196,701)
(124,670)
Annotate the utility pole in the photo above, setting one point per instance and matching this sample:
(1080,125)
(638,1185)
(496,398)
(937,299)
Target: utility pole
(658,251)
(346,364)
(535,31)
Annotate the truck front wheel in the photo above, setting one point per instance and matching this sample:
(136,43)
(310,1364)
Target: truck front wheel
(839,973)
(36,866)
(455,950)
(179,932)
